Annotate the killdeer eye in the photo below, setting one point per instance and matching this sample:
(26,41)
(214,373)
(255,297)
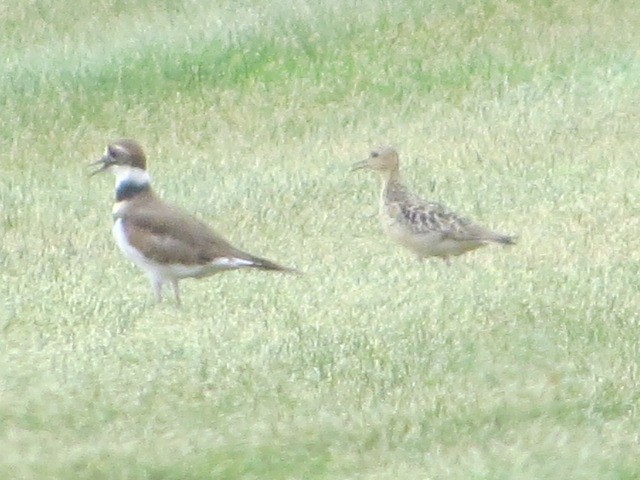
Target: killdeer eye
(375,154)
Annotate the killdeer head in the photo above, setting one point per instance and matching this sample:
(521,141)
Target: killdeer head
(127,161)
(122,154)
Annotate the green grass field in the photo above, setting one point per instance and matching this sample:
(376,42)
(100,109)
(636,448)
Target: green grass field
(518,363)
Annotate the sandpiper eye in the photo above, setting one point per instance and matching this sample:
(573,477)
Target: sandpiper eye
(374,154)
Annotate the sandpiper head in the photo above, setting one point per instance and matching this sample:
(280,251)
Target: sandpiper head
(124,153)
(383,159)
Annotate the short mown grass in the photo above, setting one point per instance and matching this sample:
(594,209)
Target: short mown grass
(517,363)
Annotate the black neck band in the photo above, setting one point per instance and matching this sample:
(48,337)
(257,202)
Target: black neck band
(127,190)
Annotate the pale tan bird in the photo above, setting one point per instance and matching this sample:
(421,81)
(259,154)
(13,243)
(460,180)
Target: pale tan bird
(428,229)
(167,243)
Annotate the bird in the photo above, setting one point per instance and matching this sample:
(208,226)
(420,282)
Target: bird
(167,243)
(428,229)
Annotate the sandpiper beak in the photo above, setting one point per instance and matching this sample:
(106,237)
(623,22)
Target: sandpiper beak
(360,165)
(104,163)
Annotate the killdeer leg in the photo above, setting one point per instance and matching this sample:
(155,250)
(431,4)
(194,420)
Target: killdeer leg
(446,260)
(176,290)
(157,289)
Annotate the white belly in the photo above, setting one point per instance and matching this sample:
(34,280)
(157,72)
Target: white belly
(156,271)
(165,272)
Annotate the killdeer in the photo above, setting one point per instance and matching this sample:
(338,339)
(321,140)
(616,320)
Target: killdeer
(428,229)
(165,242)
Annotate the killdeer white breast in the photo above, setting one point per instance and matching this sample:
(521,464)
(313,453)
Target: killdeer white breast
(165,242)
(426,228)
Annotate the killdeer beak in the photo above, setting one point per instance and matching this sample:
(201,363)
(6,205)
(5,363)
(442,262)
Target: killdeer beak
(360,165)
(105,162)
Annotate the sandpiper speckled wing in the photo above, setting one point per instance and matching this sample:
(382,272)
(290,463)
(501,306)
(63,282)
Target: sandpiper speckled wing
(426,228)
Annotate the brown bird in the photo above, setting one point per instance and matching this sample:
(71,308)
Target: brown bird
(428,229)
(167,243)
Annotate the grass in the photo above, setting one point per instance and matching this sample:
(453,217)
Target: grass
(516,363)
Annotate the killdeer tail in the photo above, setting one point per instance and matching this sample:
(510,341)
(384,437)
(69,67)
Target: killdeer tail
(264,264)
(504,239)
